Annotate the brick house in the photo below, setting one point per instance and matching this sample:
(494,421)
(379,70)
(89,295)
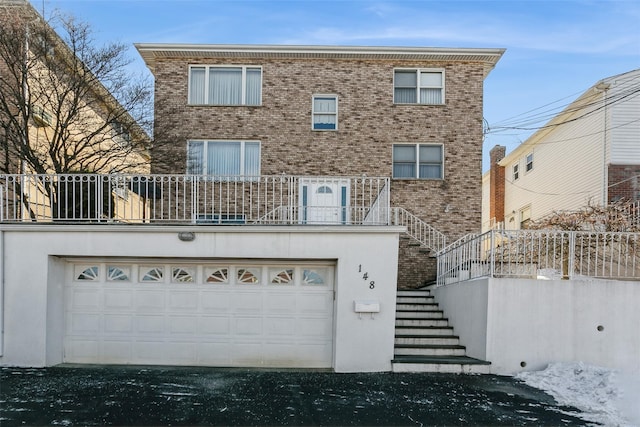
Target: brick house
(270,230)
(411,114)
(588,153)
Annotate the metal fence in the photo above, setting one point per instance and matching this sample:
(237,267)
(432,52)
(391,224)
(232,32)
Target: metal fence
(198,199)
(418,229)
(541,254)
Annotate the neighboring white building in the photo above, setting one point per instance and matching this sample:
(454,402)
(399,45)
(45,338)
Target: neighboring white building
(589,153)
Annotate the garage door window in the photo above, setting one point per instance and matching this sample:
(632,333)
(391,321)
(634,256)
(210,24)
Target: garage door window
(281,276)
(313,277)
(117,274)
(248,276)
(217,275)
(87,273)
(151,274)
(182,275)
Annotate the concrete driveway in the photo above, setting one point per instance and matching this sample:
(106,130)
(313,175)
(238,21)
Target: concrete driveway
(134,395)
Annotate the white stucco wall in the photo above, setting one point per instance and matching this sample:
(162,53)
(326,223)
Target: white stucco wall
(510,321)
(33,261)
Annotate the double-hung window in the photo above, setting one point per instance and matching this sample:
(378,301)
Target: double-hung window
(223,158)
(516,172)
(529,162)
(418,161)
(418,86)
(325,112)
(225,85)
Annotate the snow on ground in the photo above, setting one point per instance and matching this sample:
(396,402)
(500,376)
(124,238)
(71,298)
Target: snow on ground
(605,396)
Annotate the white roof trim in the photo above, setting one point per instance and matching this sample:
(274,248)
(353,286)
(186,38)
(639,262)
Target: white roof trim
(151,51)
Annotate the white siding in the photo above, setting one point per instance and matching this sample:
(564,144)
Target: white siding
(624,135)
(486,224)
(567,170)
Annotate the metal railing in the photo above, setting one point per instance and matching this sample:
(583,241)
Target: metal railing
(198,199)
(545,254)
(418,229)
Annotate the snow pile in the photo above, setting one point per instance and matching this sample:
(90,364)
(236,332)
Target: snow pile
(604,396)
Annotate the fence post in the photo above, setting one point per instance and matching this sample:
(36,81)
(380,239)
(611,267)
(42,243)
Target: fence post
(492,259)
(571,254)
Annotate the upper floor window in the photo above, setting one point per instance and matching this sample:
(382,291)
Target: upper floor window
(225,85)
(418,86)
(516,172)
(529,162)
(223,158)
(325,112)
(419,161)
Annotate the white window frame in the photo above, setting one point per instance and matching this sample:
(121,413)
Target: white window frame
(207,68)
(524,216)
(314,113)
(417,165)
(515,170)
(528,162)
(418,86)
(205,143)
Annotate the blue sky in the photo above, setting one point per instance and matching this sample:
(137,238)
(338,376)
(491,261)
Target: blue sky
(555,49)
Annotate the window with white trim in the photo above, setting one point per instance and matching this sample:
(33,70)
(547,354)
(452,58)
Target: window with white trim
(225,85)
(325,112)
(418,86)
(223,158)
(418,161)
(516,172)
(529,162)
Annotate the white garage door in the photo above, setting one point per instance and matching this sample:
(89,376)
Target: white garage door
(235,313)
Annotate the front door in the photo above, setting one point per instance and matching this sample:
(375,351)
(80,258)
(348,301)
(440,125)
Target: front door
(324,201)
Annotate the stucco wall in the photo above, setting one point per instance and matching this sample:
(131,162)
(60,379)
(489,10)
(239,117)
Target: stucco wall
(511,321)
(34,264)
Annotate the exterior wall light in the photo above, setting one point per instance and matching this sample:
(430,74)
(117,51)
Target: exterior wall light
(187,236)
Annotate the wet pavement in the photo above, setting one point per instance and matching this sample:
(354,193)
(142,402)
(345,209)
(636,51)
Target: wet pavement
(129,395)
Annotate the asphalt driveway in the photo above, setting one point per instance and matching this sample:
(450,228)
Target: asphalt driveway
(128,395)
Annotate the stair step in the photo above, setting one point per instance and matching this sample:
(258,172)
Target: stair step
(425,299)
(420,306)
(424,330)
(429,350)
(451,364)
(413,293)
(414,314)
(421,322)
(426,340)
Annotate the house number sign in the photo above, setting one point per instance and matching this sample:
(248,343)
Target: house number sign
(365,277)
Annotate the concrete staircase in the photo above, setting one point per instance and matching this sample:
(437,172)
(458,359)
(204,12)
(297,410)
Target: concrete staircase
(424,340)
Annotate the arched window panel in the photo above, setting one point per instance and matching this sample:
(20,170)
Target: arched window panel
(217,275)
(87,273)
(118,273)
(248,275)
(151,274)
(281,276)
(314,277)
(182,275)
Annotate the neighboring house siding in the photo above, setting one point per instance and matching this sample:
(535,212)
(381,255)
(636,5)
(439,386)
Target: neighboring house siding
(624,120)
(589,153)
(567,170)
(369,124)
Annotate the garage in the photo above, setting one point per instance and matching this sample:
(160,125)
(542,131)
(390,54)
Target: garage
(242,313)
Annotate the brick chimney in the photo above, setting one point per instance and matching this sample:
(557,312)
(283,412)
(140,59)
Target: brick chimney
(496,183)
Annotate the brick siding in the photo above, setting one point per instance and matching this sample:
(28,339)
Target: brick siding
(624,183)
(368,121)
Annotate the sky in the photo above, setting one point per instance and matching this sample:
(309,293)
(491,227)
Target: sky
(555,50)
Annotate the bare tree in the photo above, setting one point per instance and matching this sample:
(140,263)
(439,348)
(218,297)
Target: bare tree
(66,104)
(604,241)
